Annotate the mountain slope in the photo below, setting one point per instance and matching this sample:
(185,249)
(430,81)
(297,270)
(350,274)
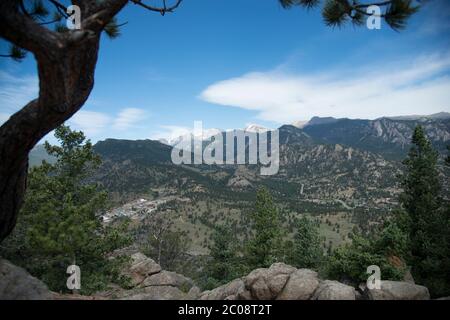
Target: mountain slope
(390,138)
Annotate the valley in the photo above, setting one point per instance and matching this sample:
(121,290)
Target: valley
(342,173)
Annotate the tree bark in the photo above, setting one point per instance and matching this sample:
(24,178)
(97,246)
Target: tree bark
(66,65)
(64,87)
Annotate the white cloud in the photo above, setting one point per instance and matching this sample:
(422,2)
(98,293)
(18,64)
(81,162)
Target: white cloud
(419,86)
(170,133)
(98,125)
(3,117)
(128,117)
(90,122)
(16,92)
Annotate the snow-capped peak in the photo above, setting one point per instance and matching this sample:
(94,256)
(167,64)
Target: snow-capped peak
(255,128)
(204,135)
(300,124)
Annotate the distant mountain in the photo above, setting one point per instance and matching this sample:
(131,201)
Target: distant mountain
(440,115)
(312,174)
(256,128)
(208,133)
(388,137)
(38,154)
(321,120)
(327,163)
(300,124)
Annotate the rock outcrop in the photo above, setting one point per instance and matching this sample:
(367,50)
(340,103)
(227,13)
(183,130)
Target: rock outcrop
(280,281)
(398,290)
(150,282)
(18,284)
(333,290)
(284,282)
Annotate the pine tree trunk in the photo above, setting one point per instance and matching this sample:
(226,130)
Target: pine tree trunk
(64,87)
(66,64)
(12,190)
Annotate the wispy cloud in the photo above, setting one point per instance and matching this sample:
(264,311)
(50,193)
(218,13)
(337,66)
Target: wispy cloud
(420,85)
(170,132)
(98,125)
(16,92)
(128,117)
(90,122)
(3,117)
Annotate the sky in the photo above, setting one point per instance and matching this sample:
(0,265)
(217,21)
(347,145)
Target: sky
(230,63)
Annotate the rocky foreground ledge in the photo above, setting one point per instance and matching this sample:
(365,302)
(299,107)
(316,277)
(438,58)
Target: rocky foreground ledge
(284,282)
(150,282)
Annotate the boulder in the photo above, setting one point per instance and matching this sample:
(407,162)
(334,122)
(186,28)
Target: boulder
(333,290)
(18,284)
(194,293)
(141,267)
(154,293)
(167,278)
(233,290)
(301,285)
(398,290)
(267,283)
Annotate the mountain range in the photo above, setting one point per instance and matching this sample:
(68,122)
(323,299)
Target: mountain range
(327,160)
(343,171)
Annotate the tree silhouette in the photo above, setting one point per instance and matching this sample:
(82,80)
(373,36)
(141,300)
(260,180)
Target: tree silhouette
(338,12)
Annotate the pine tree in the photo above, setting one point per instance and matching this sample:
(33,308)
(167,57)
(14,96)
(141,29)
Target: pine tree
(428,223)
(265,247)
(59,224)
(223,266)
(307,247)
(447,160)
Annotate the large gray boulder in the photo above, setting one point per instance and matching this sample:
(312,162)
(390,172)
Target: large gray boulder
(141,267)
(18,284)
(267,283)
(230,291)
(301,285)
(153,293)
(333,290)
(150,282)
(167,278)
(398,290)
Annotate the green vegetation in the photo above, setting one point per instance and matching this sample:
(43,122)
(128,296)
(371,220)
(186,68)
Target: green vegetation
(165,246)
(224,264)
(350,261)
(428,222)
(59,223)
(217,239)
(265,247)
(417,235)
(306,250)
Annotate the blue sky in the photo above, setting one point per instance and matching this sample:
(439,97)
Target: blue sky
(233,62)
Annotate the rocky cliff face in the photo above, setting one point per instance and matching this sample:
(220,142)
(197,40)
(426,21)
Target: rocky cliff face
(388,137)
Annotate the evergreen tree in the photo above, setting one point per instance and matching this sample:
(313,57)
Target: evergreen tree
(223,266)
(428,222)
(447,160)
(265,247)
(350,261)
(307,247)
(60,225)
